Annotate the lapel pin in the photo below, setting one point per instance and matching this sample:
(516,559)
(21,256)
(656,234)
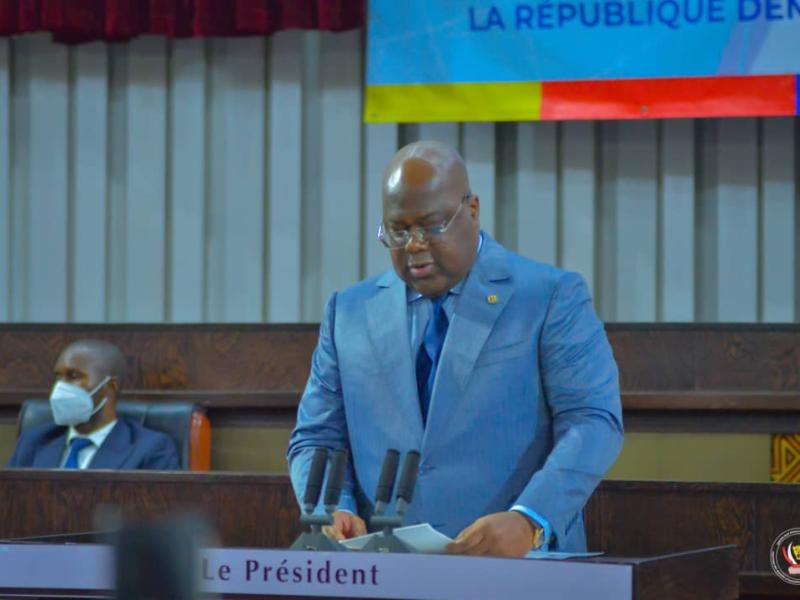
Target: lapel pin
(492,299)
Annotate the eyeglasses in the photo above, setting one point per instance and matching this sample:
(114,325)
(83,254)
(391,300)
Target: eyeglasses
(399,238)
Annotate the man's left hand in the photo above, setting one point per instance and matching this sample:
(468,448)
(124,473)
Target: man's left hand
(506,534)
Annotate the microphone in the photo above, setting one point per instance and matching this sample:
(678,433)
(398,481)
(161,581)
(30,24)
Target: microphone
(387,541)
(335,480)
(314,482)
(315,539)
(408,480)
(383,495)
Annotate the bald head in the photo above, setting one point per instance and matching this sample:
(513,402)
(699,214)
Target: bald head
(426,166)
(426,192)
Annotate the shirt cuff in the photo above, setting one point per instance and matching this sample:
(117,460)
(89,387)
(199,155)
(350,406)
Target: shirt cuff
(547,531)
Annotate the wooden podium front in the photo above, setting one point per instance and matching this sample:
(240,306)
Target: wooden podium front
(627,519)
(86,570)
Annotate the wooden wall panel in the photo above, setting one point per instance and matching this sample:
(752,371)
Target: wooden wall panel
(236,365)
(740,378)
(246,511)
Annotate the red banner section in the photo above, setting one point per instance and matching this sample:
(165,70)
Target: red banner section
(75,21)
(671,98)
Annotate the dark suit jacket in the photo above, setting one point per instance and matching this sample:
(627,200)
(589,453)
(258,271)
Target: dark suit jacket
(128,446)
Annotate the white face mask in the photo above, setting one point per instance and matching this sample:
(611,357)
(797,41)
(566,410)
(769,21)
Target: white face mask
(72,405)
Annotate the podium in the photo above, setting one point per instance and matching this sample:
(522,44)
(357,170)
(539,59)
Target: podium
(71,570)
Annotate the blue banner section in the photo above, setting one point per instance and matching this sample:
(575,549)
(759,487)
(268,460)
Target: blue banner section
(477,41)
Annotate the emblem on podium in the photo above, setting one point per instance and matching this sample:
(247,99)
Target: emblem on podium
(785,556)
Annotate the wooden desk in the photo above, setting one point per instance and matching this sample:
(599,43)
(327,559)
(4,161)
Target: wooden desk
(627,519)
(692,377)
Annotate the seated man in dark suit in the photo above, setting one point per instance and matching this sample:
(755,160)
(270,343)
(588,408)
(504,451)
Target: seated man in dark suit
(87,432)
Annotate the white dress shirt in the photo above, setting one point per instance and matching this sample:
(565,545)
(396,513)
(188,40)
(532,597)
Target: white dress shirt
(86,455)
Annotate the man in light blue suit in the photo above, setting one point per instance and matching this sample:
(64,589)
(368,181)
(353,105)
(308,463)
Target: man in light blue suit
(493,366)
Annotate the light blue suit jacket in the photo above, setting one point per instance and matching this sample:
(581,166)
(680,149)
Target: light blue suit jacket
(525,407)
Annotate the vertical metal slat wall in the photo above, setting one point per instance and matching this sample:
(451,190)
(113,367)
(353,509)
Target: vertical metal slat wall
(232,180)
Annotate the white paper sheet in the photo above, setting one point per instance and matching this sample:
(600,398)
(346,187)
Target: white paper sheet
(426,540)
(561,555)
(422,538)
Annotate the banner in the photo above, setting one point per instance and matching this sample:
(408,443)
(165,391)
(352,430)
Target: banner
(462,60)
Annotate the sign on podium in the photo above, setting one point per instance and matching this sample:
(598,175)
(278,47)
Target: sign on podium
(71,569)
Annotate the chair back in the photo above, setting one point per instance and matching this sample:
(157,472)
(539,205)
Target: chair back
(184,422)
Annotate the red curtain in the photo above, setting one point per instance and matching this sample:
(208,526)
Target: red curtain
(75,21)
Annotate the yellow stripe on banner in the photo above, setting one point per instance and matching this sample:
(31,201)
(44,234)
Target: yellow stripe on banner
(419,103)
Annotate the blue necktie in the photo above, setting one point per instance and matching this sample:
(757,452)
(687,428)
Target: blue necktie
(76,445)
(429,352)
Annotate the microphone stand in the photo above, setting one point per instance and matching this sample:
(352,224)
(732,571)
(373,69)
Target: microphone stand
(387,541)
(314,539)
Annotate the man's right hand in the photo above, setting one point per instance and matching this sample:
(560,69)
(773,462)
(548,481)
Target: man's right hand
(345,525)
